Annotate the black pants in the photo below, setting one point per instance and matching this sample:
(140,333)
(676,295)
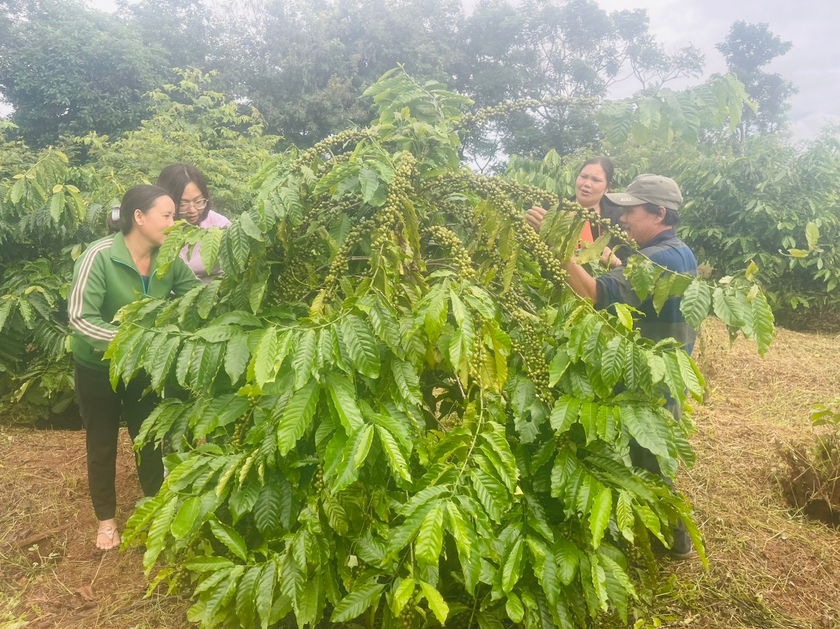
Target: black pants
(102,408)
(642,457)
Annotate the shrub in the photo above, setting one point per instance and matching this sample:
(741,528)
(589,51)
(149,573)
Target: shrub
(396,409)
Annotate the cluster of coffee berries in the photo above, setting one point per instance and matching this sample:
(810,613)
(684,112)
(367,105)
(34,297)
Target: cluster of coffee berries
(485,114)
(494,189)
(528,343)
(335,160)
(340,263)
(328,146)
(462,212)
(318,481)
(239,432)
(446,239)
(407,614)
(528,195)
(388,218)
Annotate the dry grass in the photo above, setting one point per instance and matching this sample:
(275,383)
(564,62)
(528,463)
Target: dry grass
(769,568)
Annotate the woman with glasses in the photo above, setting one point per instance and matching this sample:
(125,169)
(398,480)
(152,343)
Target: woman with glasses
(186,185)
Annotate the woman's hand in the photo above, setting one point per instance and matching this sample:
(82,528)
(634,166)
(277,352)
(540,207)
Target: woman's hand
(609,260)
(535,217)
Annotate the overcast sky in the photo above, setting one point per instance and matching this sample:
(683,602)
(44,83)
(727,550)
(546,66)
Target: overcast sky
(813,63)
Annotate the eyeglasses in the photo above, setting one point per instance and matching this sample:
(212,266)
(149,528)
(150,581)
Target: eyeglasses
(198,204)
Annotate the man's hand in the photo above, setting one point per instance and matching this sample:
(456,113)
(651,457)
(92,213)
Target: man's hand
(609,260)
(535,217)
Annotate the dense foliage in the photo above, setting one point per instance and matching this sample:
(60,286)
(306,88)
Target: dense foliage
(105,69)
(53,206)
(44,223)
(764,206)
(305,65)
(396,409)
(773,206)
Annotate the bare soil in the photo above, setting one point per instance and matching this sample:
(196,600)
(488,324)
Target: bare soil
(770,566)
(51,574)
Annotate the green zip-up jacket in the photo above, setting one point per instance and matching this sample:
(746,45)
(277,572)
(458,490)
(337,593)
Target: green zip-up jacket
(104,280)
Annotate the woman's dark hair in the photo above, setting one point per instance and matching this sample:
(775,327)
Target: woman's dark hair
(175,177)
(141,198)
(671,217)
(606,164)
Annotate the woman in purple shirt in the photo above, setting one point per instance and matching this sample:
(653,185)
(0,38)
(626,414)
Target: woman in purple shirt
(186,185)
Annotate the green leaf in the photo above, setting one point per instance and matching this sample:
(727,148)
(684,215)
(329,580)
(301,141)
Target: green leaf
(264,591)
(231,538)
(624,316)
(402,595)
(567,558)
(435,313)
(362,446)
(512,568)
(246,596)
(361,345)
(369,181)
(56,206)
(236,357)
(639,423)
(357,602)
(662,291)
(599,515)
(304,357)
(812,234)
(267,508)
(187,514)
(695,303)
(436,602)
(263,363)
(763,323)
(156,539)
(514,608)
(407,382)
(691,375)
(429,540)
(565,413)
(728,308)
(355,450)
(297,416)
(395,457)
(211,241)
(624,515)
(650,520)
(458,526)
(343,394)
(559,365)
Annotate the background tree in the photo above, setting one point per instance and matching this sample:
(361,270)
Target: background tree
(747,49)
(184,28)
(305,64)
(571,50)
(69,70)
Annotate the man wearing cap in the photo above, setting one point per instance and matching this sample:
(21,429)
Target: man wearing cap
(649,214)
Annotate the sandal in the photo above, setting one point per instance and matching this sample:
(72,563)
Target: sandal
(109,532)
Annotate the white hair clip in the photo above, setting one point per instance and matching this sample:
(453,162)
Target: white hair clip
(115,212)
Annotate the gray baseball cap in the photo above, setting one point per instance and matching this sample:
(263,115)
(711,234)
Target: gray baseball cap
(654,189)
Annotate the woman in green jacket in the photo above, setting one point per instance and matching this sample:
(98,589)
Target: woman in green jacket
(111,273)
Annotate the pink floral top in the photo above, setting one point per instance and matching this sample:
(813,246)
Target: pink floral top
(213,219)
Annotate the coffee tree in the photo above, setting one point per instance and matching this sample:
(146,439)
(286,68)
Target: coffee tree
(45,221)
(396,410)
